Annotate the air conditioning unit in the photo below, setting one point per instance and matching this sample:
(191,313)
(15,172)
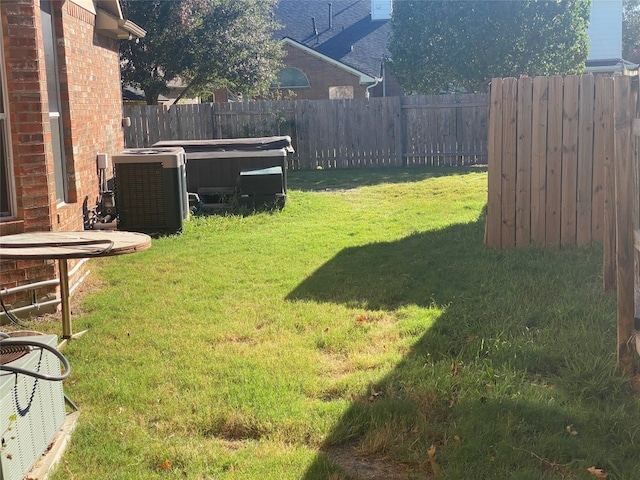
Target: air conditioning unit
(151,189)
(32,411)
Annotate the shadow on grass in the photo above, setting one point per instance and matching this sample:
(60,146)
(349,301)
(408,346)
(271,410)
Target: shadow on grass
(336,179)
(522,353)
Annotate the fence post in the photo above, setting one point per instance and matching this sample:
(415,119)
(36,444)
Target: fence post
(604,153)
(399,132)
(624,226)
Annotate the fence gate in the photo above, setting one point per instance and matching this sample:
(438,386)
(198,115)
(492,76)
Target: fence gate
(547,147)
(563,170)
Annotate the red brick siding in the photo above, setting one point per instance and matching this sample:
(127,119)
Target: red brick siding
(321,75)
(91,115)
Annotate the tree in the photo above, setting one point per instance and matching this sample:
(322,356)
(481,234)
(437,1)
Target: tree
(208,44)
(465,43)
(631,30)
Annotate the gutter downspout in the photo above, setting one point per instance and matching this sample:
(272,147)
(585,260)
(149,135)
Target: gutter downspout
(367,94)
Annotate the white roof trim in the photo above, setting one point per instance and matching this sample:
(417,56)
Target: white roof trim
(112,26)
(364,78)
(111,6)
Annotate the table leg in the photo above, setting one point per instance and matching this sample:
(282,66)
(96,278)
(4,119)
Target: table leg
(64,298)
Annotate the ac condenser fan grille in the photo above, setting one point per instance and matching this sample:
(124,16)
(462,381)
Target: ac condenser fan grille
(141,198)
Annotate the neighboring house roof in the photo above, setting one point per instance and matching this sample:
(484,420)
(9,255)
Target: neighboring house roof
(364,78)
(132,94)
(343,31)
(610,65)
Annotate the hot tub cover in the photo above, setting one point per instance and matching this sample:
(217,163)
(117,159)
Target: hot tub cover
(230,144)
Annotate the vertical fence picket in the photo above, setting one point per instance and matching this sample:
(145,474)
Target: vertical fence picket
(569,160)
(553,218)
(585,159)
(523,161)
(539,159)
(493,225)
(509,120)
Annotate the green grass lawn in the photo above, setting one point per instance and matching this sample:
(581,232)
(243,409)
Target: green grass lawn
(365,323)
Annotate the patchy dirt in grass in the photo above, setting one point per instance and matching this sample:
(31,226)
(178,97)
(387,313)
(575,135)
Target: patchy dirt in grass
(366,468)
(356,467)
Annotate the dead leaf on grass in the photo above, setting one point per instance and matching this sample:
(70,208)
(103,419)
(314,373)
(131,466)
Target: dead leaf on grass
(596,472)
(432,461)
(166,465)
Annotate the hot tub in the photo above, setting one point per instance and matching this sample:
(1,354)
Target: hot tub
(214,167)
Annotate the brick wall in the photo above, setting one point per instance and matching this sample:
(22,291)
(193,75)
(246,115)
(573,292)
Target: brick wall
(321,75)
(89,78)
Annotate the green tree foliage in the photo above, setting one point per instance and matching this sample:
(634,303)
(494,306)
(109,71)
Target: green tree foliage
(465,43)
(206,43)
(631,30)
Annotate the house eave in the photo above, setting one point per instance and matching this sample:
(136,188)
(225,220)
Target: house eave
(116,27)
(363,77)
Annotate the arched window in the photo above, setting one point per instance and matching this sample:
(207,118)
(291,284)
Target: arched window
(290,77)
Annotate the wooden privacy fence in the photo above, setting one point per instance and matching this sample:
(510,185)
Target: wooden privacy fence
(392,131)
(563,170)
(549,139)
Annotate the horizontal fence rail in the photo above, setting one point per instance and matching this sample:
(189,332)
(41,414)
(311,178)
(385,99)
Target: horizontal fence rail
(393,131)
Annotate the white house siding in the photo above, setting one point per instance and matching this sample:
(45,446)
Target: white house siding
(605,30)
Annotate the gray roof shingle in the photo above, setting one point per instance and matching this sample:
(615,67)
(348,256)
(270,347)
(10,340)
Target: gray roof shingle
(349,36)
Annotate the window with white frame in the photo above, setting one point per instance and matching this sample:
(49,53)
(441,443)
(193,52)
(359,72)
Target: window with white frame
(55,102)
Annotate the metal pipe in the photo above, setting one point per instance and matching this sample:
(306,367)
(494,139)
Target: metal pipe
(80,280)
(30,286)
(30,308)
(46,283)
(106,226)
